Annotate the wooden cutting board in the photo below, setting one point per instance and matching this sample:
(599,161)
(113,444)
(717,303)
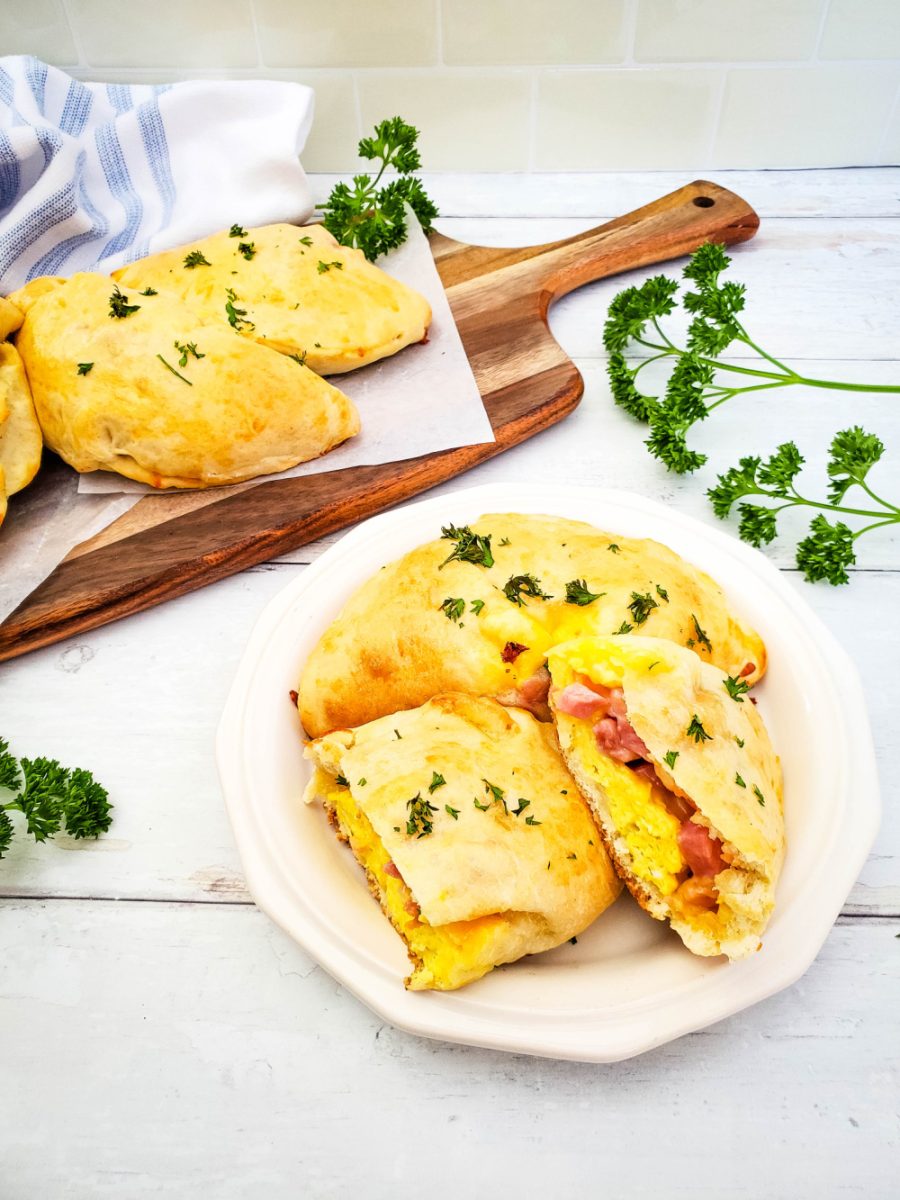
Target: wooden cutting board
(168,545)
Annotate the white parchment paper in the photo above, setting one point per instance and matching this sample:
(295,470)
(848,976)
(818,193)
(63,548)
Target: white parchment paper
(423,399)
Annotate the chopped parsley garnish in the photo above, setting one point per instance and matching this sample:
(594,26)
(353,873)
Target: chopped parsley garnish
(641,606)
(483,807)
(496,793)
(517,587)
(511,651)
(476,606)
(237,231)
(760,798)
(702,639)
(119,306)
(453,608)
(419,822)
(696,731)
(740,741)
(738,779)
(299,358)
(470,547)
(522,805)
(237,317)
(306,241)
(83,368)
(186,348)
(362,782)
(322,267)
(453,812)
(248,249)
(149,291)
(398,735)
(196,259)
(342,781)
(653,664)
(177,374)
(437,781)
(736,687)
(504,542)
(571,855)
(613,547)
(623,628)
(669,758)
(533,821)
(662,593)
(577,592)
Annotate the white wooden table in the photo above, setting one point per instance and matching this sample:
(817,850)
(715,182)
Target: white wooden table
(160,1037)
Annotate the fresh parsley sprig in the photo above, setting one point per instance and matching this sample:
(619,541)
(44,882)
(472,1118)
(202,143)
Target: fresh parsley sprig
(829,548)
(371,217)
(699,382)
(50,797)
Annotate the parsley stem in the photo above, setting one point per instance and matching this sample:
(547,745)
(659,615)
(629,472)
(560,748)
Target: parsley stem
(174,372)
(878,499)
(745,337)
(656,357)
(875,525)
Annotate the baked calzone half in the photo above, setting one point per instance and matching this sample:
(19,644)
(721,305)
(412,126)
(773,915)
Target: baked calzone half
(293,288)
(683,780)
(474,838)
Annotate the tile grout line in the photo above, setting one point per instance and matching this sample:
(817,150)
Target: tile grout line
(76,35)
(255,22)
(717,118)
(533,99)
(820,33)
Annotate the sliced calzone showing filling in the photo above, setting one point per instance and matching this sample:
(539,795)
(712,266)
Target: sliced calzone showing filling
(473,835)
(683,780)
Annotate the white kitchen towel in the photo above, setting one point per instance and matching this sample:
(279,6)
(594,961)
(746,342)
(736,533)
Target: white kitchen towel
(96,175)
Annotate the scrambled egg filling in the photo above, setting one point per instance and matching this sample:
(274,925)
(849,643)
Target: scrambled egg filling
(445,956)
(641,819)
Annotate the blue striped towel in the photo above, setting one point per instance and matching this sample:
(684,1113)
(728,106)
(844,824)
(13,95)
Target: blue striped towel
(96,175)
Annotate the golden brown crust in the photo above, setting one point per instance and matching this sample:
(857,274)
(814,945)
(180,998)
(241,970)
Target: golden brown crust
(321,300)
(20,434)
(238,412)
(392,647)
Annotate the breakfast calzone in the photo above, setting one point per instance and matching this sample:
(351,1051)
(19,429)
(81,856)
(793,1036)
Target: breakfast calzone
(473,836)
(476,610)
(20,434)
(293,288)
(141,383)
(683,780)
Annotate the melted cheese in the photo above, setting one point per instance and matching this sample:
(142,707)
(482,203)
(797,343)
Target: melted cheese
(445,956)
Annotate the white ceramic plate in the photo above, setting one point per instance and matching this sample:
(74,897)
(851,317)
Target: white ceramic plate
(628,984)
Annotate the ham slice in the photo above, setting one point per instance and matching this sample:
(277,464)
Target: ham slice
(577,700)
(702,852)
(531,694)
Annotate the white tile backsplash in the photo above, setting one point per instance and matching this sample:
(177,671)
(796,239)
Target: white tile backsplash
(516,85)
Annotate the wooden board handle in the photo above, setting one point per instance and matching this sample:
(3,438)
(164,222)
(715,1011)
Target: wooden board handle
(668,228)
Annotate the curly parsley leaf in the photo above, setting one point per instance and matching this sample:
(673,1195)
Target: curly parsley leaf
(50,797)
(577,592)
(518,587)
(470,547)
(373,217)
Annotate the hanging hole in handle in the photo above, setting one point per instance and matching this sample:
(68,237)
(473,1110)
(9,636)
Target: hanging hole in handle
(704,201)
